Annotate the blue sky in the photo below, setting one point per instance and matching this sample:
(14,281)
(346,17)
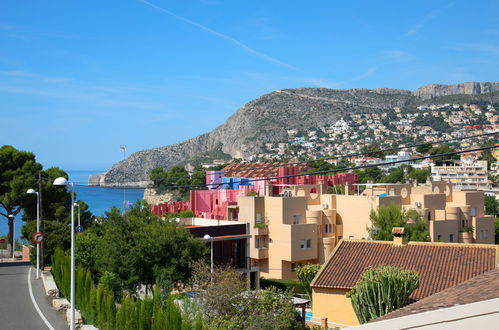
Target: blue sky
(79,78)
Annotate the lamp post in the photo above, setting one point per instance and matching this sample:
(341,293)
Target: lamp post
(78,206)
(60,181)
(208,237)
(32,191)
(123,149)
(13,245)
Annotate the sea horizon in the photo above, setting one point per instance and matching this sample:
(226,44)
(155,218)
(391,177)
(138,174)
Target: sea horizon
(99,199)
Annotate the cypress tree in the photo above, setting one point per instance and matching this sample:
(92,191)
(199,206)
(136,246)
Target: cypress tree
(99,306)
(110,308)
(92,306)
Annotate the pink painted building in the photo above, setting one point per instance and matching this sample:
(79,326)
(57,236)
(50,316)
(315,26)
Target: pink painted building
(221,204)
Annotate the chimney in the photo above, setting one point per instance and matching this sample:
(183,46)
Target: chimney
(398,235)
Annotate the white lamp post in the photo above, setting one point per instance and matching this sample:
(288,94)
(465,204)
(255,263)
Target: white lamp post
(13,219)
(78,206)
(60,181)
(208,237)
(32,191)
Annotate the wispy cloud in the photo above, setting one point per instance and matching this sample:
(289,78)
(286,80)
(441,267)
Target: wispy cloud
(479,47)
(262,27)
(27,74)
(272,82)
(71,90)
(429,17)
(369,72)
(397,54)
(237,43)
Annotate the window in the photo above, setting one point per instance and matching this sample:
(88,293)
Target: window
(293,266)
(439,238)
(473,212)
(302,244)
(309,243)
(429,215)
(257,242)
(482,234)
(451,238)
(296,219)
(328,228)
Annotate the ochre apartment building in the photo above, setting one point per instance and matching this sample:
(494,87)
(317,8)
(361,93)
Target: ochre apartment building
(302,225)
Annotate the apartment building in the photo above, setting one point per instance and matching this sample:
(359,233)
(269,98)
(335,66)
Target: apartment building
(470,174)
(454,216)
(302,225)
(296,228)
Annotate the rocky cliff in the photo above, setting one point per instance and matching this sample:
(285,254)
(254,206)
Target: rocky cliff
(468,88)
(267,119)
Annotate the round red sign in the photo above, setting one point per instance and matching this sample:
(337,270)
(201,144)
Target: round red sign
(37,237)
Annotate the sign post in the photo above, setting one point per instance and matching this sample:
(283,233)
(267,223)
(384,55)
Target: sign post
(38,237)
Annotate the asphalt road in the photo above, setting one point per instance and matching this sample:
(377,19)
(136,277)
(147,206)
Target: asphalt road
(17,305)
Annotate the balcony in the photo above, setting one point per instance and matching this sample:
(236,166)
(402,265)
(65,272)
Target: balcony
(262,253)
(260,229)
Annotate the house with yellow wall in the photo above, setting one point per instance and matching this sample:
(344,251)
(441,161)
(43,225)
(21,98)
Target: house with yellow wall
(440,266)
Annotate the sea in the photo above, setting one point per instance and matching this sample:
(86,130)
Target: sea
(99,199)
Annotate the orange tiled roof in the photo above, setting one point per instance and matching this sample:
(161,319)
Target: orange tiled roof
(440,265)
(479,288)
(252,170)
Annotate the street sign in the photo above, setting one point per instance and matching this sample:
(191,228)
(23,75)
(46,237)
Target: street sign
(37,237)
(2,240)
(79,229)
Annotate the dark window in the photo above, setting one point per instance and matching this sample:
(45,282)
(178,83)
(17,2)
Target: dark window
(451,238)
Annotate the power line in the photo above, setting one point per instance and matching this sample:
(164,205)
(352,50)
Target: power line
(317,159)
(371,152)
(316,172)
(353,154)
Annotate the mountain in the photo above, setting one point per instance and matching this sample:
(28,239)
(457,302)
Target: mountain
(267,119)
(468,88)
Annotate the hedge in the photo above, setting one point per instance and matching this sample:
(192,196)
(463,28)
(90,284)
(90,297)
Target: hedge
(97,303)
(283,284)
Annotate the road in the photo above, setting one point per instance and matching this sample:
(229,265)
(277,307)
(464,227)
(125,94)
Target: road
(17,305)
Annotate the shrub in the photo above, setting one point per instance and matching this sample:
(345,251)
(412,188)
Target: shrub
(382,290)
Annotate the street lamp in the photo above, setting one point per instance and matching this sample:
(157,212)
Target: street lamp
(78,206)
(60,181)
(32,191)
(12,219)
(208,237)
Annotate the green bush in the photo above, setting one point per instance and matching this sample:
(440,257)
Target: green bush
(98,304)
(283,284)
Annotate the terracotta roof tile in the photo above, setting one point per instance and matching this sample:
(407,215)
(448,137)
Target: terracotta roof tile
(479,288)
(252,170)
(440,265)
